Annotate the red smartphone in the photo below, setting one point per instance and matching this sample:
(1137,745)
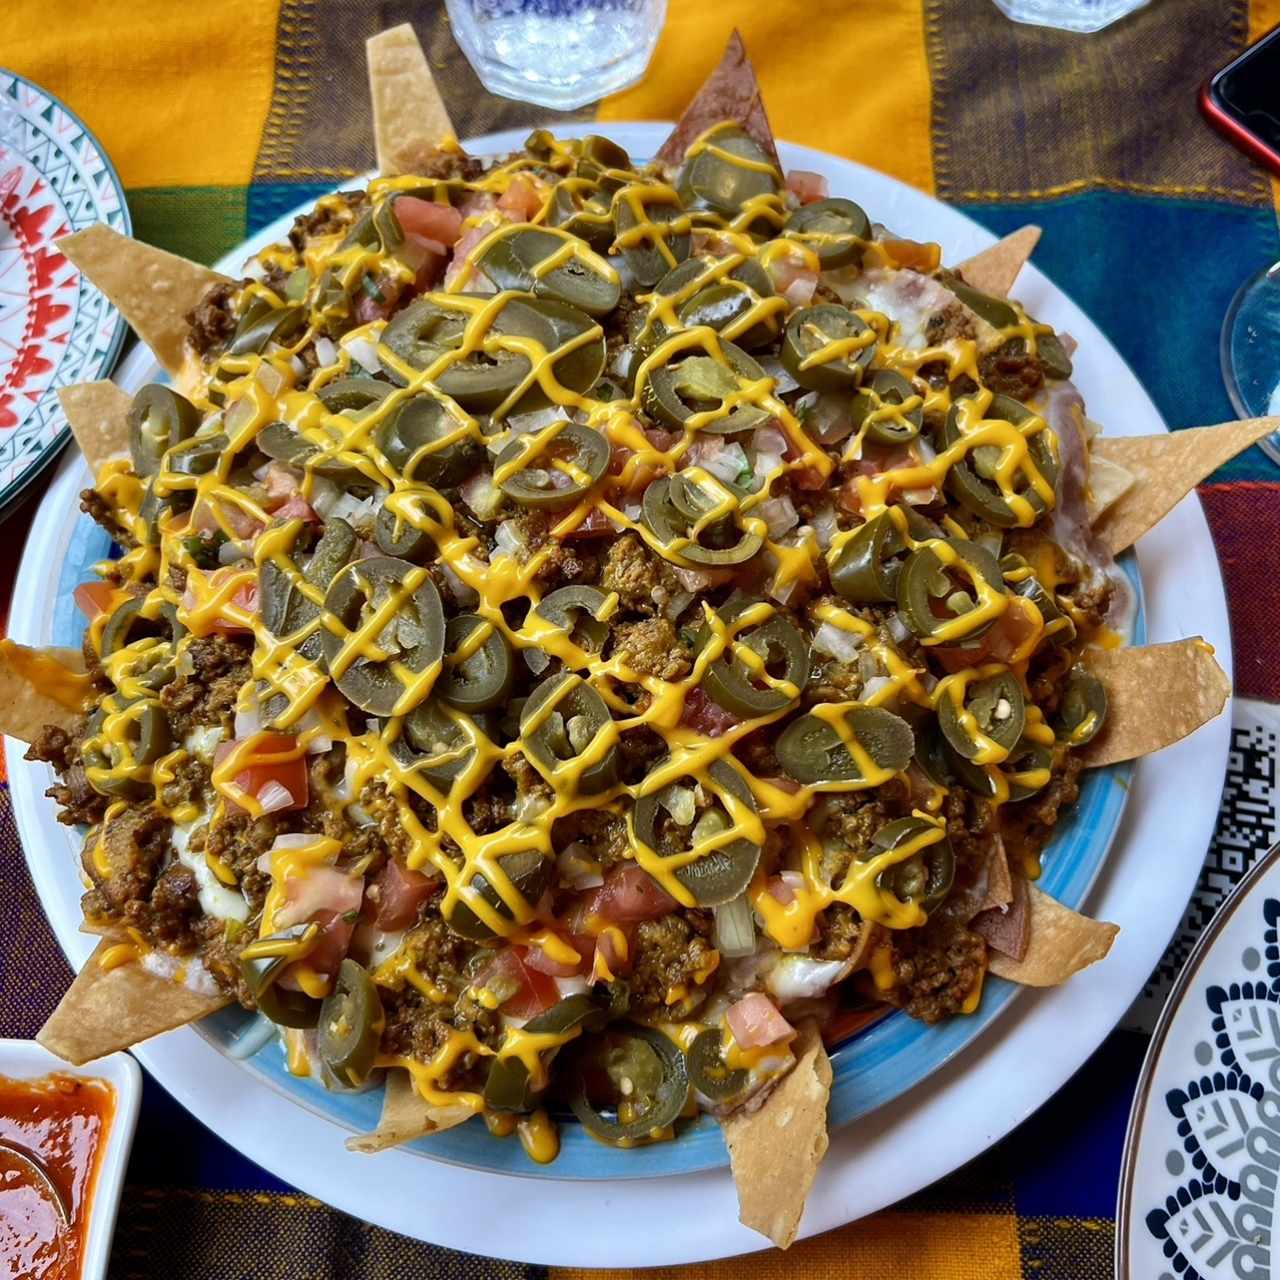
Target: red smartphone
(1243,100)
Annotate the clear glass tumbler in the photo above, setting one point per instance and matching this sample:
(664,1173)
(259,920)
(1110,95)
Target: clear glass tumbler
(1251,351)
(557,53)
(1069,15)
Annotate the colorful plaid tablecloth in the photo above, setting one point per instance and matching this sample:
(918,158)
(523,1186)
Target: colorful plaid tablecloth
(221,116)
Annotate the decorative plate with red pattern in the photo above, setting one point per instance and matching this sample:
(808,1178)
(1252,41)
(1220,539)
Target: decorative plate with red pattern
(55,327)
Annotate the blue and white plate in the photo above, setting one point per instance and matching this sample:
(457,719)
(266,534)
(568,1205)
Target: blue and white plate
(1198,1188)
(909,1103)
(55,327)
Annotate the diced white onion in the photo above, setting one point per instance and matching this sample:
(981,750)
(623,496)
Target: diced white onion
(798,977)
(729,463)
(677,604)
(232,551)
(290,840)
(357,512)
(247,722)
(734,931)
(299,369)
(775,369)
(577,868)
(463,594)
(534,420)
(254,269)
(779,514)
(273,797)
(481,494)
(827,418)
(363,352)
(836,642)
(679,802)
(574,985)
(874,685)
(824,526)
(898,630)
(270,378)
(326,351)
(507,540)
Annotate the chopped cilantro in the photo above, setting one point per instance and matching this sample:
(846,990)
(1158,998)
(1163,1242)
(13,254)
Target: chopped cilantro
(370,286)
(203,549)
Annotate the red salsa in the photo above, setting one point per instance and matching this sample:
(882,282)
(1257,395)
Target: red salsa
(62,1122)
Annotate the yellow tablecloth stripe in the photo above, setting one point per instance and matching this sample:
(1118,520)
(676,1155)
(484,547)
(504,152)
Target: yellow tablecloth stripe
(860,91)
(176,93)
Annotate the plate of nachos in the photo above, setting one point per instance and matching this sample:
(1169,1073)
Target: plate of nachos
(611,662)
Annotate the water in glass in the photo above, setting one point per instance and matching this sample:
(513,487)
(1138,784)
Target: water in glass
(557,53)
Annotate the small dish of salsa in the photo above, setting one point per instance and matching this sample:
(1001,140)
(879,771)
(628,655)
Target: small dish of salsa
(64,1140)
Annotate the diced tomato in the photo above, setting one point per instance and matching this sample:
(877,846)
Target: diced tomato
(596,525)
(275,758)
(521,201)
(439,222)
(793,278)
(755,1021)
(399,894)
(296,507)
(662,440)
(533,991)
(462,251)
(224,517)
(999,643)
(809,479)
(93,598)
(281,481)
(629,894)
(704,715)
(807,187)
(331,947)
(431,259)
(912,253)
(244,599)
(701,579)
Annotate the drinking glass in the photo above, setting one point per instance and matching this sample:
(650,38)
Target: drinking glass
(557,53)
(1251,350)
(1069,15)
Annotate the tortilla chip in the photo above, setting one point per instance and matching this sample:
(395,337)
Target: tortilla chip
(1000,887)
(995,269)
(97,413)
(1157,694)
(730,92)
(153,289)
(1108,483)
(1062,942)
(40,687)
(1166,467)
(110,1009)
(1007,928)
(406,1115)
(775,1151)
(410,123)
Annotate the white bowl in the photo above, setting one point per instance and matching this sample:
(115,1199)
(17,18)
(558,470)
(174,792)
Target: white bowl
(26,1060)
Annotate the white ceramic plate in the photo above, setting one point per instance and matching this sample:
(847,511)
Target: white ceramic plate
(1198,1182)
(26,1060)
(965,1107)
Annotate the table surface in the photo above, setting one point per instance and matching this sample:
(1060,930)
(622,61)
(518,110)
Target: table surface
(220,119)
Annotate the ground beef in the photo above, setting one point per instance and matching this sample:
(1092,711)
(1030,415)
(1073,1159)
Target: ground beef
(1029,825)
(604,834)
(562,562)
(635,573)
(955,320)
(1010,371)
(968,823)
(666,956)
(134,845)
(935,968)
(652,648)
(174,914)
(190,784)
(845,825)
(100,511)
(239,841)
(213,320)
(441,956)
(337,214)
(78,803)
(207,697)
(840,933)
